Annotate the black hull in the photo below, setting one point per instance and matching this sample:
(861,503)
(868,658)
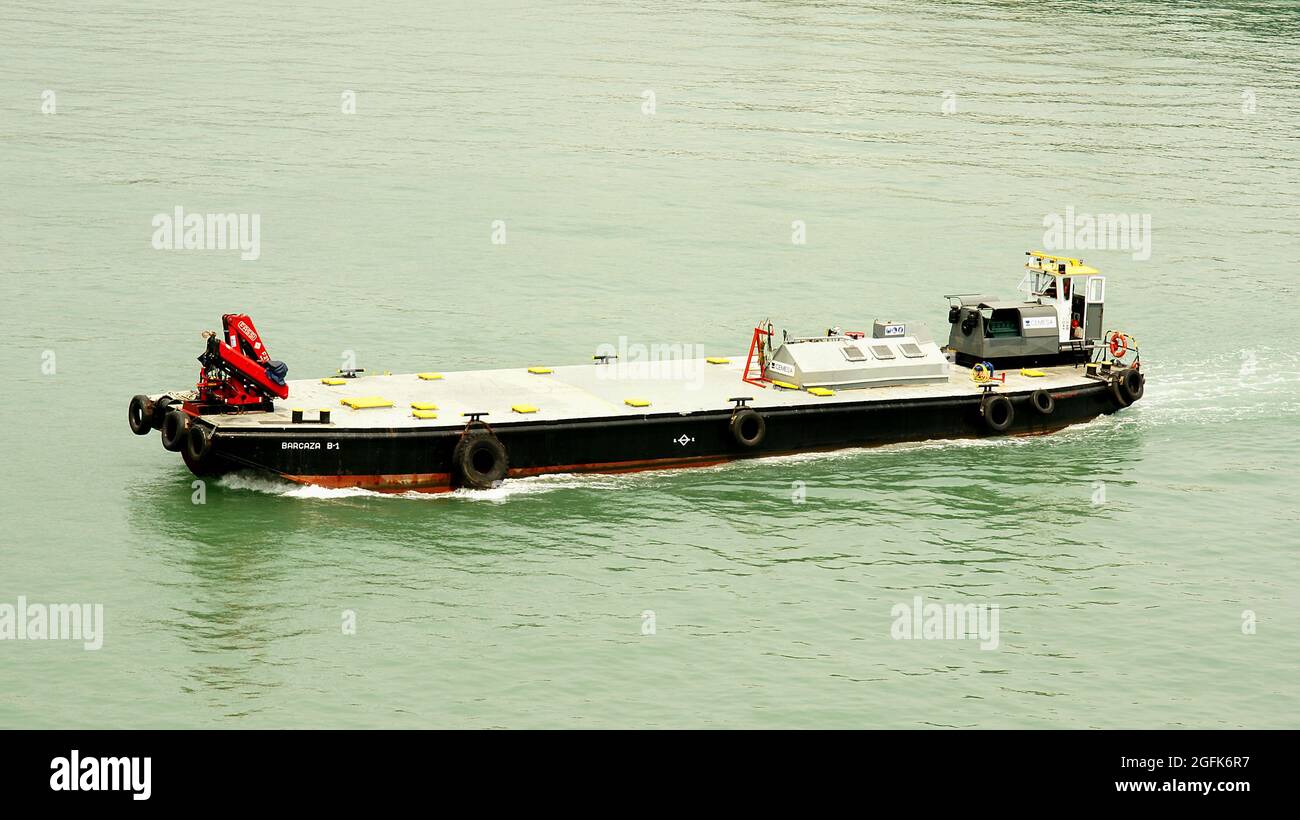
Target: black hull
(419,459)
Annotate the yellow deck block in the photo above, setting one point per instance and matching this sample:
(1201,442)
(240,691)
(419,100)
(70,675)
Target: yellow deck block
(423,405)
(523,408)
(366,402)
(821,391)
(636,402)
(333,381)
(424,414)
(429,377)
(718,360)
(540,370)
(785,385)
(1025,371)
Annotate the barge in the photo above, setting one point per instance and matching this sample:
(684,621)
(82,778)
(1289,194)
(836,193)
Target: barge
(1008,367)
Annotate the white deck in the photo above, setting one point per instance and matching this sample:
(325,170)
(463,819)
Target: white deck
(589,391)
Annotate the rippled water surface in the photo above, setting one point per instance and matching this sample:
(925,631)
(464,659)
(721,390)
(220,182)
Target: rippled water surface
(523,606)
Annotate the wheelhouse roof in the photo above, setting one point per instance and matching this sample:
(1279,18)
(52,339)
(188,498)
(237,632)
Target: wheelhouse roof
(1040,262)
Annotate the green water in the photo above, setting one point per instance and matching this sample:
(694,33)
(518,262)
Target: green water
(523,607)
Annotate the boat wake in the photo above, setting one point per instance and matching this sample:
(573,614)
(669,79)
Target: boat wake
(1230,386)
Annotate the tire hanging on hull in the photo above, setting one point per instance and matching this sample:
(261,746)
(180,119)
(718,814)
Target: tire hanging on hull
(998,412)
(1043,402)
(139,415)
(160,410)
(748,427)
(479,461)
(1127,386)
(210,466)
(198,443)
(1132,383)
(175,426)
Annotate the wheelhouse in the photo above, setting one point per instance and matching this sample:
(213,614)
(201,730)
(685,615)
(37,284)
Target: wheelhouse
(1077,291)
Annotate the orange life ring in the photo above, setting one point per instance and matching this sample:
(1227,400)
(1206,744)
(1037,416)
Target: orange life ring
(1118,345)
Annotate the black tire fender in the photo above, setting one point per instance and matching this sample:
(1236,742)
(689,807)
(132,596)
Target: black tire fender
(1043,402)
(748,427)
(1132,383)
(1117,391)
(479,461)
(198,443)
(175,426)
(998,412)
(211,467)
(139,415)
(160,409)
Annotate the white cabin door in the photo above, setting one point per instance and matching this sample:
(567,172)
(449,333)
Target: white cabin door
(1092,321)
